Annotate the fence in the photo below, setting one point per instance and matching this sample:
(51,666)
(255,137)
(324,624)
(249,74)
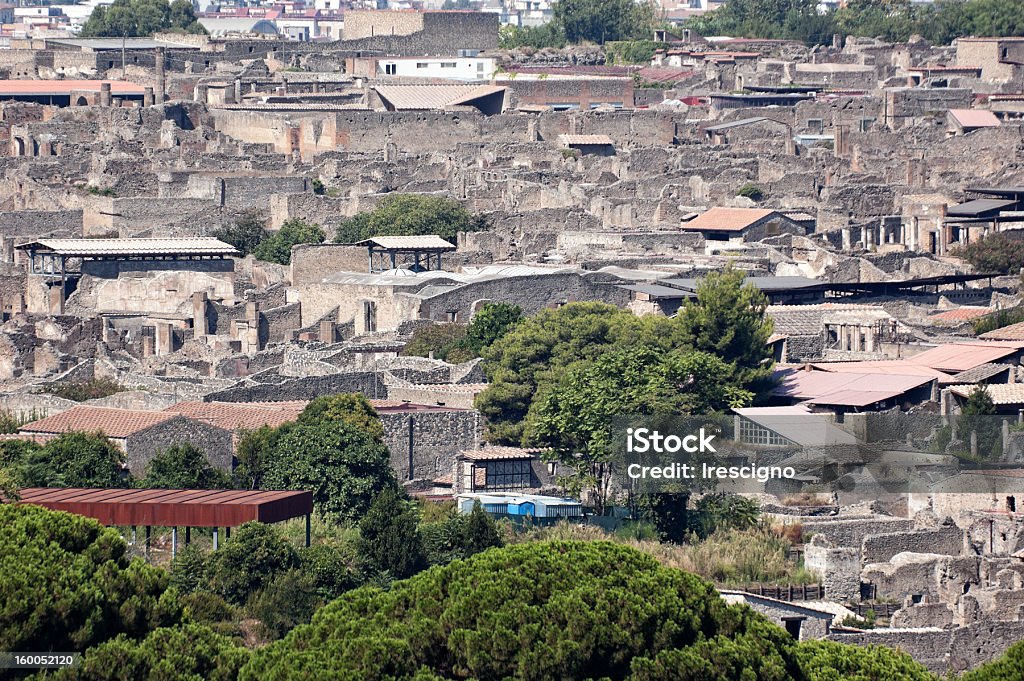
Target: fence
(787,592)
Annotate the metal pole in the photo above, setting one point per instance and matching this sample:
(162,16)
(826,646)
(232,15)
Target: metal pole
(308,519)
(174,542)
(148,531)
(216,536)
(188,535)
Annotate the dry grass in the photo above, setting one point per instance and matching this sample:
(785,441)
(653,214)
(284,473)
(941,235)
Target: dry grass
(727,558)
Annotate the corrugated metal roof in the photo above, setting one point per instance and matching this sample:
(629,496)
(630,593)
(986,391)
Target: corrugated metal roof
(957,357)
(173,507)
(585,140)
(845,388)
(974,118)
(427,97)
(423,243)
(798,425)
(131,247)
(727,219)
(979,207)
(884,367)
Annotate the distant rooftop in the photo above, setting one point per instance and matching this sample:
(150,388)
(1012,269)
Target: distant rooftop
(31,88)
(100,248)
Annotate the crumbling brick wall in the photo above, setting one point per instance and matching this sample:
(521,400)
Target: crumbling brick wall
(436,438)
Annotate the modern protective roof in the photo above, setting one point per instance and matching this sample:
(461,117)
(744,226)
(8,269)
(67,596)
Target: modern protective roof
(974,118)
(761,283)
(957,357)
(31,88)
(727,219)
(91,248)
(884,367)
(585,140)
(426,97)
(118,43)
(173,508)
(411,243)
(979,207)
(843,388)
(117,423)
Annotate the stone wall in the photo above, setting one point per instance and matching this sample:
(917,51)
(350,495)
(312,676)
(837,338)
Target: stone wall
(436,439)
(851,532)
(155,286)
(838,568)
(947,540)
(305,388)
(943,650)
(216,443)
(40,223)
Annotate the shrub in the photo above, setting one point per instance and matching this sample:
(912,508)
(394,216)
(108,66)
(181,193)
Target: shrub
(995,253)
(277,247)
(80,391)
(752,192)
(246,233)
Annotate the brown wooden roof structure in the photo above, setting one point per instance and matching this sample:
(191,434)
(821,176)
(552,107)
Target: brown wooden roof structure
(173,507)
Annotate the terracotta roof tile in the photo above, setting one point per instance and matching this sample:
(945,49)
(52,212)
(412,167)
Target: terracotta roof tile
(500,453)
(727,219)
(117,423)
(240,416)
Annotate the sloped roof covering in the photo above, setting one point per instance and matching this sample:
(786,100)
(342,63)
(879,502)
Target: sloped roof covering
(974,118)
(798,425)
(426,97)
(85,248)
(421,243)
(727,219)
(499,454)
(1003,393)
(240,416)
(884,367)
(957,357)
(808,320)
(739,124)
(959,315)
(982,372)
(117,423)
(1011,332)
(979,207)
(847,389)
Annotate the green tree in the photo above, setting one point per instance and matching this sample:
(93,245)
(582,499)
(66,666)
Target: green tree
(459,536)
(246,233)
(140,18)
(76,460)
(728,320)
(328,569)
(410,215)
(351,408)
(389,540)
(529,359)
(189,570)
(183,467)
(247,563)
(68,584)
(277,247)
(599,21)
(995,253)
(550,34)
(254,451)
(190,652)
(1009,667)
(288,601)
(831,661)
(491,322)
(558,610)
(577,417)
(344,466)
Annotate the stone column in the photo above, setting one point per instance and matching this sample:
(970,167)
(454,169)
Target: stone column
(238,91)
(105,94)
(149,97)
(199,320)
(164,338)
(326,331)
(161,85)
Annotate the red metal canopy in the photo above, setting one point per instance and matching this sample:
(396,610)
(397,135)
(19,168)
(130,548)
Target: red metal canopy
(173,507)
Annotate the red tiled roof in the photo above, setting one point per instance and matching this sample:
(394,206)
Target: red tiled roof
(1012,332)
(727,219)
(63,87)
(117,423)
(960,314)
(240,416)
(499,453)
